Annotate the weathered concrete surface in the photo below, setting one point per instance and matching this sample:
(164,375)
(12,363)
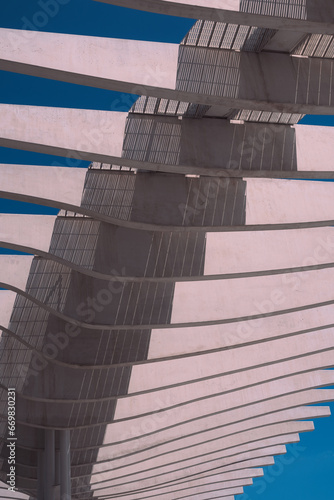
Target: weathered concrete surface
(264,250)
(59,184)
(27,230)
(178,438)
(202,472)
(213,446)
(250,447)
(117,64)
(7,299)
(211,460)
(209,366)
(315,147)
(197,339)
(63,131)
(14,269)
(272,201)
(193,487)
(240,298)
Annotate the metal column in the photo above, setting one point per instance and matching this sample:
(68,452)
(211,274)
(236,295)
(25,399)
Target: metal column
(65,465)
(50,464)
(40,476)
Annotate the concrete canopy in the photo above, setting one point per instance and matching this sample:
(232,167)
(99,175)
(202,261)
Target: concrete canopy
(176,322)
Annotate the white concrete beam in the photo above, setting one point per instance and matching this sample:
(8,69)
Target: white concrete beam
(213,302)
(311,17)
(209,487)
(79,133)
(31,231)
(264,447)
(114,64)
(7,299)
(237,252)
(197,433)
(126,408)
(14,270)
(193,339)
(98,135)
(228,254)
(169,492)
(275,201)
(315,148)
(42,184)
(199,386)
(224,300)
(201,471)
(105,63)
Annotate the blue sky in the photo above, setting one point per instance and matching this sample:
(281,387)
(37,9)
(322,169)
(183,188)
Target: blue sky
(306,473)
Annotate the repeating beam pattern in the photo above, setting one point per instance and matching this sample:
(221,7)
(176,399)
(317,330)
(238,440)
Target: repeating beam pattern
(176,317)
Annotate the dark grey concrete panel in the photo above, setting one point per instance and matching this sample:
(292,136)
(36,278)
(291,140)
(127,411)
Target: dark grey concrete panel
(212,142)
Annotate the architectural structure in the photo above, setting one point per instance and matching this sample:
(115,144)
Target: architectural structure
(169,332)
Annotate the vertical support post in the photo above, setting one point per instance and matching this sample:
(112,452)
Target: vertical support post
(65,464)
(40,475)
(50,465)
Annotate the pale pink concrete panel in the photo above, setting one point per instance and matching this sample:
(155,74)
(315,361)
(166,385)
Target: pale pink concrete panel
(7,299)
(185,340)
(247,451)
(286,385)
(279,201)
(237,252)
(148,483)
(202,301)
(27,230)
(178,371)
(201,433)
(46,183)
(45,129)
(315,148)
(14,270)
(45,54)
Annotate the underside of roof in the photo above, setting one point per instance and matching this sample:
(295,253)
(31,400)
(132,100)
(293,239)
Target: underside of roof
(171,330)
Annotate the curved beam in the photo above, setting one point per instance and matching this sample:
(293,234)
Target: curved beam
(159,227)
(199,471)
(100,137)
(195,487)
(191,411)
(207,436)
(313,249)
(248,450)
(194,389)
(204,407)
(200,322)
(252,449)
